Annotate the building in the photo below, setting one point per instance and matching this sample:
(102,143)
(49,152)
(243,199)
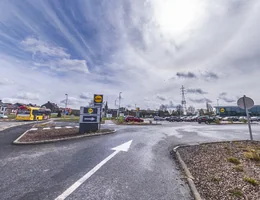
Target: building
(52,106)
(236,111)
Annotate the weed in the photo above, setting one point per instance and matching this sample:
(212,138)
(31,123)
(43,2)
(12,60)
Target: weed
(236,192)
(238,168)
(251,181)
(216,179)
(252,155)
(234,160)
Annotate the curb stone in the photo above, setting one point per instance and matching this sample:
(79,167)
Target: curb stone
(188,175)
(60,139)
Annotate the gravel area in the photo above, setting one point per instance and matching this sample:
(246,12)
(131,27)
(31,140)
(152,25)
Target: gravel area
(227,170)
(40,135)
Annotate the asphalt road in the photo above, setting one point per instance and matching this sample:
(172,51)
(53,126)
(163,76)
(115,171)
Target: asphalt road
(8,124)
(146,171)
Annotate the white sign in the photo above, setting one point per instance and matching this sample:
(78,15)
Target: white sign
(121,115)
(109,116)
(245,102)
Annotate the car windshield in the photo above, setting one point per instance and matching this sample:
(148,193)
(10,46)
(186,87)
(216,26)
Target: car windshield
(129,99)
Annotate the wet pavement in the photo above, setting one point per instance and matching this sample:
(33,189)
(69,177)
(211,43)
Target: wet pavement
(146,171)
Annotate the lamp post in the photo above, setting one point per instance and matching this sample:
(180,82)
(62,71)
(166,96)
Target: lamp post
(119,104)
(66,103)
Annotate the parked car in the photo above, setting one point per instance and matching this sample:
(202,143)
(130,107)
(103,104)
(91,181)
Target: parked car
(133,119)
(2,116)
(175,119)
(206,119)
(158,118)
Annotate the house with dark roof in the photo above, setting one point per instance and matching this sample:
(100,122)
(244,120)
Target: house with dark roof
(52,106)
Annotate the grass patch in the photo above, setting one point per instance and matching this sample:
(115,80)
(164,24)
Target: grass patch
(216,179)
(11,116)
(238,168)
(251,181)
(234,160)
(252,154)
(236,193)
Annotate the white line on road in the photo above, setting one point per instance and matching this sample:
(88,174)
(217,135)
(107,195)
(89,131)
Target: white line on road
(68,126)
(57,127)
(77,126)
(33,129)
(123,147)
(47,128)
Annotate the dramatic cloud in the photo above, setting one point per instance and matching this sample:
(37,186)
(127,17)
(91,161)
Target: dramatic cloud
(185,75)
(203,100)
(196,91)
(223,96)
(161,98)
(67,47)
(210,76)
(85,96)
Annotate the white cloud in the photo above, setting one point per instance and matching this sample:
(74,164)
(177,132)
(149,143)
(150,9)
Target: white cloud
(27,96)
(35,46)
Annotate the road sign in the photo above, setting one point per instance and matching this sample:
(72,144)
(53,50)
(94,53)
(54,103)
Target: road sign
(89,110)
(98,98)
(222,110)
(89,119)
(245,102)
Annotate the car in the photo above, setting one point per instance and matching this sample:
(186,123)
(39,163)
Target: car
(158,118)
(206,119)
(2,116)
(133,119)
(175,119)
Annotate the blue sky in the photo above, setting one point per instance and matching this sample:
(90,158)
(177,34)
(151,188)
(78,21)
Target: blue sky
(145,49)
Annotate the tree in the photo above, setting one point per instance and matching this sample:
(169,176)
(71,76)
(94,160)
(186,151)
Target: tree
(191,110)
(179,110)
(201,112)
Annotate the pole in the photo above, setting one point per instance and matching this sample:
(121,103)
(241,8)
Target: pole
(248,118)
(66,103)
(217,102)
(119,104)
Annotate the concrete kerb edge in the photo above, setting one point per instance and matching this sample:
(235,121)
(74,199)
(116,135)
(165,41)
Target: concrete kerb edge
(60,139)
(188,175)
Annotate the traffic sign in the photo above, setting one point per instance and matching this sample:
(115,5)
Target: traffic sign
(98,98)
(245,102)
(89,119)
(222,110)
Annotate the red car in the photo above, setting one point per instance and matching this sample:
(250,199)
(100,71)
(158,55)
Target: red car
(133,119)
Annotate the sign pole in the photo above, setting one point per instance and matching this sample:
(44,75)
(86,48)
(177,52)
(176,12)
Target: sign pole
(248,118)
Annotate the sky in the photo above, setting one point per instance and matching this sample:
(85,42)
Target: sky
(146,49)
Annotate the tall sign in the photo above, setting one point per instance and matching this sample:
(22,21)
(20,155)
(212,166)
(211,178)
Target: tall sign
(98,102)
(246,103)
(89,119)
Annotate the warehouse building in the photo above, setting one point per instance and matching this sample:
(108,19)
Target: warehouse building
(236,111)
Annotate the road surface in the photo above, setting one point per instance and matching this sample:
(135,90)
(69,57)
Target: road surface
(145,171)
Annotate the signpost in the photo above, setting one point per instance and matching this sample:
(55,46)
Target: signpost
(246,103)
(89,119)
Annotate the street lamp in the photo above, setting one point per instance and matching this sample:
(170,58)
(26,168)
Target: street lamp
(66,102)
(119,103)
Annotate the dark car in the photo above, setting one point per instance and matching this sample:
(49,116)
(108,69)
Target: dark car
(206,119)
(175,119)
(133,119)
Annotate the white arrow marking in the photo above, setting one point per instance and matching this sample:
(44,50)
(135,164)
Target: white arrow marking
(123,147)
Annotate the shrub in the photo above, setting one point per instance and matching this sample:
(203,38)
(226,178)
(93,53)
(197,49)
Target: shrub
(251,181)
(236,192)
(238,168)
(252,155)
(234,160)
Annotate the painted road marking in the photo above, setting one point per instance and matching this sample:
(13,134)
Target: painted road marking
(68,127)
(123,147)
(47,128)
(76,126)
(34,129)
(58,127)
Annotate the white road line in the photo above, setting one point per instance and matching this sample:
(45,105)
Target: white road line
(34,129)
(47,128)
(68,127)
(57,127)
(76,126)
(123,147)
